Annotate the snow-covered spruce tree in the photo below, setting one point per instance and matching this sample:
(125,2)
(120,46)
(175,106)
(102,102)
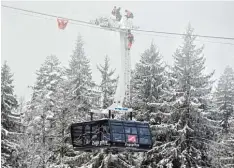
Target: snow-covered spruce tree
(80,77)
(108,83)
(72,104)
(10,121)
(149,83)
(28,152)
(150,96)
(60,145)
(224,99)
(187,146)
(48,76)
(192,93)
(39,112)
(150,87)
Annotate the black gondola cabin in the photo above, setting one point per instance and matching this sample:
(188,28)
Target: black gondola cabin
(111,133)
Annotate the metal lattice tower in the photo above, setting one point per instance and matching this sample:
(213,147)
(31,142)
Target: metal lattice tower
(127,76)
(122,94)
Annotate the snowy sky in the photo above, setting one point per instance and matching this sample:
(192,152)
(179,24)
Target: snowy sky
(27,40)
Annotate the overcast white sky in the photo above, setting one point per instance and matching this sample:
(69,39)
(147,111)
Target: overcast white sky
(26,40)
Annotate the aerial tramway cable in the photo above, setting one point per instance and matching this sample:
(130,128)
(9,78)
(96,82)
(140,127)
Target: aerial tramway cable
(113,29)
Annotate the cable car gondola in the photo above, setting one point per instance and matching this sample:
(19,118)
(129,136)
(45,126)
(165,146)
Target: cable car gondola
(114,134)
(110,133)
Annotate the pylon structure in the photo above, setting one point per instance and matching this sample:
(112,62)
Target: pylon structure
(122,94)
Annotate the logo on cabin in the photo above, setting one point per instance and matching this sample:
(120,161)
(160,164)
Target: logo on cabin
(100,143)
(132,138)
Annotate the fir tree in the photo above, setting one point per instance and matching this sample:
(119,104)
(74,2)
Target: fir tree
(185,146)
(10,121)
(192,90)
(79,75)
(150,96)
(48,76)
(149,82)
(62,119)
(39,113)
(108,83)
(224,99)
